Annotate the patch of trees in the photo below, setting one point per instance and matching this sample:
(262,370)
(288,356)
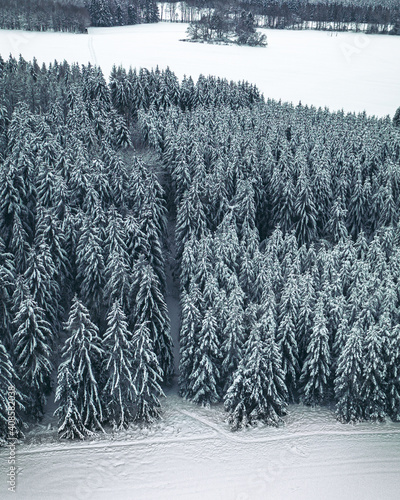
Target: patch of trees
(122,12)
(74,15)
(219,26)
(44,15)
(369,16)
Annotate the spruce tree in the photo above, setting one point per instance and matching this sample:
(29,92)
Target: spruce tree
(203,381)
(150,309)
(9,379)
(119,391)
(316,371)
(188,336)
(258,390)
(393,373)
(79,375)
(373,390)
(349,378)
(146,375)
(286,334)
(32,350)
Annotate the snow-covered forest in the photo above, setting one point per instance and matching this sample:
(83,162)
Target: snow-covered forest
(74,15)
(286,249)
(371,16)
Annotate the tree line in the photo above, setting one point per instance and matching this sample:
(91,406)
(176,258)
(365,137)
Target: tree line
(369,16)
(74,15)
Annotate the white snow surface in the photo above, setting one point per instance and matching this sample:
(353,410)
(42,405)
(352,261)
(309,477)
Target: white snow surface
(191,455)
(349,71)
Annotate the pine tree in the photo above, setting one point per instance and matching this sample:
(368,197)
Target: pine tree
(9,379)
(305,212)
(393,373)
(90,268)
(40,279)
(203,380)
(316,371)
(188,336)
(150,309)
(336,227)
(191,219)
(7,286)
(80,409)
(286,334)
(396,118)
(232,342)
(147,376)
(70,419)
(119,391)
(306,313)
(32,343)
(373,390)
(349,379)
(258,390)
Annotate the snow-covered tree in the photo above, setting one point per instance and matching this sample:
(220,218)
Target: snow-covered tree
(90,268)
(316,371)
(258,390)
(232,340)
(286,333)
(373,389)
(349,378)
(203,381)
(78,393)
(188,336)
(146,375)
(119,390)
(9,379)
(393,373)
(150,309)
(32,353)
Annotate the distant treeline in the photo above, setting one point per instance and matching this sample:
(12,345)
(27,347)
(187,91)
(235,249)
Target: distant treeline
(77,15)
(122,12)
(44,15)
(74,15)
(379,17)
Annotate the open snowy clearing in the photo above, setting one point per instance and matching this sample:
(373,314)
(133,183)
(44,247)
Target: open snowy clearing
(191,454)
(349,71)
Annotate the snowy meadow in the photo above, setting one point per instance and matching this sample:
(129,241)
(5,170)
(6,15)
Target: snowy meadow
(354,72)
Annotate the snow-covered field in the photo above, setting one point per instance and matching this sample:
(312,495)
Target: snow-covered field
(191,455)
(355,72)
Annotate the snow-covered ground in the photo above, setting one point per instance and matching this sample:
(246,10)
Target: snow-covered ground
(349,71)
(191,455)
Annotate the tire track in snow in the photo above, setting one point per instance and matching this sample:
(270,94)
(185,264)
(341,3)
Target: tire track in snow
(118,444)
(91,50)
(232,437)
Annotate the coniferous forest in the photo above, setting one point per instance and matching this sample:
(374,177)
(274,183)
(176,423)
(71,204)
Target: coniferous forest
(74,15)
(280,224)
(371,16)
